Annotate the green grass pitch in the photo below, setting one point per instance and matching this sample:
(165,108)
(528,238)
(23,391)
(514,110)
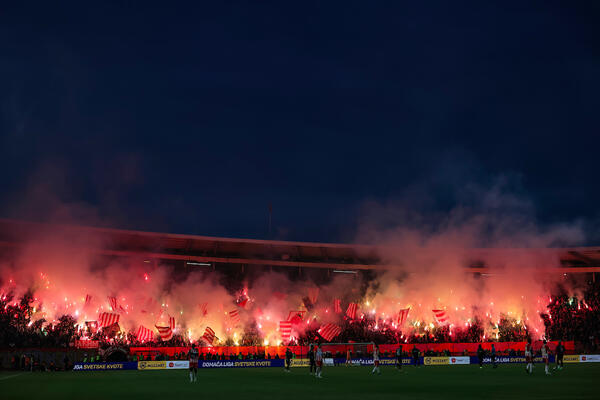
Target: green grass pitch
(576,381)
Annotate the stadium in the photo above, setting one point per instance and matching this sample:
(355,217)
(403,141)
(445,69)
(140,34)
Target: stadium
(299,200)
(79,303)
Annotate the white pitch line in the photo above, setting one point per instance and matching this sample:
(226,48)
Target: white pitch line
(10,376)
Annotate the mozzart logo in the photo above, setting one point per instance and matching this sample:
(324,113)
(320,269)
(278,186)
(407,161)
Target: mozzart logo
(300,362)
(436,360)
(143,365)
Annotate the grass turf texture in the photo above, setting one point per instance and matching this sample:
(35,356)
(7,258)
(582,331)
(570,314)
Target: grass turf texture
(576,381)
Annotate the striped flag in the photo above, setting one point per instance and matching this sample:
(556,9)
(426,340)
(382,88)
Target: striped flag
(296,317)
(351,311)
(285,329)
(107,319)
(113,303)
(88,300)
(313,294)
(204,309)
(402,316)
(209,335)
(329,331)
(337,306)
(165,332)
(440,316)
(234,317)
(172,322)
(144,334)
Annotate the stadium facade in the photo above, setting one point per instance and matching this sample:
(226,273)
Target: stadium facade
(192,251)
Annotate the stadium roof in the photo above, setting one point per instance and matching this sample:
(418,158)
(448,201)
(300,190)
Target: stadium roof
(217,250)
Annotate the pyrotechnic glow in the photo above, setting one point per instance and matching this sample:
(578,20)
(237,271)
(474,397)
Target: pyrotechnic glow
(199,300)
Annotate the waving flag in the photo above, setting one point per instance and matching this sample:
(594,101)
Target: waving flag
(204,309)
(402,316)
(329,331)
(144,334)
(209,335)
(440,316)
(171,322)
(285,329)
(107,319)
(337,306)
(351,311)
(165,332)
(234,317)
(296,317)
(313,294)
(88,300)
(113,303)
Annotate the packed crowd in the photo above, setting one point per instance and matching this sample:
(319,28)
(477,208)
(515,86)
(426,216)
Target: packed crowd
(568,318)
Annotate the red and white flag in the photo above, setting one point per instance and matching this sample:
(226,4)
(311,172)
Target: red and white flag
(88,300)
(172,322)
(113,303)
(285,329)
(313,294)
(337,306)
(402,316)
(204,309)
(144,334)
(165,332)
(234,317)
(209,335)
(440,316)
(329,331)
(107,319)
(296,317)
(351,311)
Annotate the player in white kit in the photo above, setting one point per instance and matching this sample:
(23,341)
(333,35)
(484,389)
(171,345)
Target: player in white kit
(529,356)
(319,361)
(376,360)
(545,352)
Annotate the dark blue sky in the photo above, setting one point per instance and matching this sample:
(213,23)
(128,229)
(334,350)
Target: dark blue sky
(192,118)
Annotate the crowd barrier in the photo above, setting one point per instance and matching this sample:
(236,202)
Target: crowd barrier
(279,363)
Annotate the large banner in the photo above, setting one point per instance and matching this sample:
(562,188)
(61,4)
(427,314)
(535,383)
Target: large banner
(87,344)
(574,358)
(241,364)
(145,365)
(300,362)
(509,359)
(589,358)
(446,360)
(183,364)
(111,366)
(178,364)
(279,363)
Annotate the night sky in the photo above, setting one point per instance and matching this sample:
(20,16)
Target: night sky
(193,119)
